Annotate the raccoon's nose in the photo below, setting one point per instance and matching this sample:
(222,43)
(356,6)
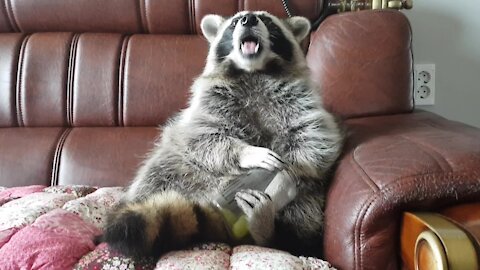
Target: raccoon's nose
(249,20)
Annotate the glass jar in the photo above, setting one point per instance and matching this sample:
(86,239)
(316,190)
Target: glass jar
(282,191)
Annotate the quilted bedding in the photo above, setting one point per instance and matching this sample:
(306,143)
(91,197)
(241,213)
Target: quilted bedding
(53,227)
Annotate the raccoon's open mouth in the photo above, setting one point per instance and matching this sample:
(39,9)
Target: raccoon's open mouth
(250,46)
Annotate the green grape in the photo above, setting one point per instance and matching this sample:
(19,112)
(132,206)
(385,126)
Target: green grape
(240,228)
(229,216)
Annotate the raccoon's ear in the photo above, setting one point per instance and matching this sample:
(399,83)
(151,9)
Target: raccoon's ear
(300,27)
(210,25)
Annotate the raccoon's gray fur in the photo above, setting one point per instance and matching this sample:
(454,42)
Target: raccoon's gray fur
(253,106)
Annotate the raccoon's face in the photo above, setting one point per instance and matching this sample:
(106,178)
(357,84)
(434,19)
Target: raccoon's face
(251,40)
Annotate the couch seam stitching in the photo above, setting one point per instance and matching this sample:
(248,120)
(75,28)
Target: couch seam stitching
(144,16)
(357,238)
(116,93)
(11,16)
(369,180)
(366,206)
(138,17)
(58,155)
(193,19)
(71,78)
(14,78)
(121,80)
(4,5)
(190,23)
(18,87)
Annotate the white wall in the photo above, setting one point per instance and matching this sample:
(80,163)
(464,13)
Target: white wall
(447,33)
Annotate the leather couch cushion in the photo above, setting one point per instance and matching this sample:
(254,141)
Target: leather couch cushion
(42,77)
(101,156)
(94,84)
(26,155)
(9,50)
(158,73)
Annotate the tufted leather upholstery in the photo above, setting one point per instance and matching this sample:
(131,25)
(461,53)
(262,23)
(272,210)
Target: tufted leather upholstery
(133,16)
(84,85)
(97,79)
(66,80)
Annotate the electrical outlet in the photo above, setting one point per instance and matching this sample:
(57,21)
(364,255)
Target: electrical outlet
(424,84)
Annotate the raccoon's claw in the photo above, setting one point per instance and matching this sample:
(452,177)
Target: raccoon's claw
(252,201)
(260,212)
(260,157)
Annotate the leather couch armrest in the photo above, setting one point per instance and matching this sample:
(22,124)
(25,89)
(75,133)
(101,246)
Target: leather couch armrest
(362,63)
(415,161)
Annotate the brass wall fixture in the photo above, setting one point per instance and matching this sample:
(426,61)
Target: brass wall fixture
(356,5)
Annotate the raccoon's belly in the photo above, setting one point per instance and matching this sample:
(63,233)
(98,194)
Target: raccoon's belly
(198,182)
(257,128)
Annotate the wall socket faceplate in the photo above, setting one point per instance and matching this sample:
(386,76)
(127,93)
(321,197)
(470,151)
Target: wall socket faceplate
(424,84)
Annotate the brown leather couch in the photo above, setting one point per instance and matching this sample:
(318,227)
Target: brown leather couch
(84,85)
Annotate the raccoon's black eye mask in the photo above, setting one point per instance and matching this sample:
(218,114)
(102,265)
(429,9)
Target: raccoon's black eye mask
(234,22)
(282,35)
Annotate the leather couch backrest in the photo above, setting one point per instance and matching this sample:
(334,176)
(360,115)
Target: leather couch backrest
(84,84)
(133,16)
(113,79)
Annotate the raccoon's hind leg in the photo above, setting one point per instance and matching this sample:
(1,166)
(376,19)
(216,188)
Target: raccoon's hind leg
(162,222)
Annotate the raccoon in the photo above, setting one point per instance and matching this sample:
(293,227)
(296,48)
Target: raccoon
(254,106)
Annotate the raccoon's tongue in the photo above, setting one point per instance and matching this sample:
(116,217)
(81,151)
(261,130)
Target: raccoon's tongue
(249,47)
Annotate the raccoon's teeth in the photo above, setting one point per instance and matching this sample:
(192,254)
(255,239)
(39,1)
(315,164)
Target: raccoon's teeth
(249,47)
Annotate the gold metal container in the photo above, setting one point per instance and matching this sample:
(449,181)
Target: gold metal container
(356,5)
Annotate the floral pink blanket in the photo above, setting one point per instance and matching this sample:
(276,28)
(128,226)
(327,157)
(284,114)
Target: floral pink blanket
(53,227)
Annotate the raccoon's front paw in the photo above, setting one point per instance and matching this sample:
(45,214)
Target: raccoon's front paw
(260,212)
(260,157)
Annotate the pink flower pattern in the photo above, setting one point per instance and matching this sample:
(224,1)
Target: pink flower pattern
(93,208)
(105,258)
(8,194)
(76,190)
(70,212)
(24,211)
(55,241)
(194,259)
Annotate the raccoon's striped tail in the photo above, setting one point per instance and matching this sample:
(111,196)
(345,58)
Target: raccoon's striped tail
(163,222)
